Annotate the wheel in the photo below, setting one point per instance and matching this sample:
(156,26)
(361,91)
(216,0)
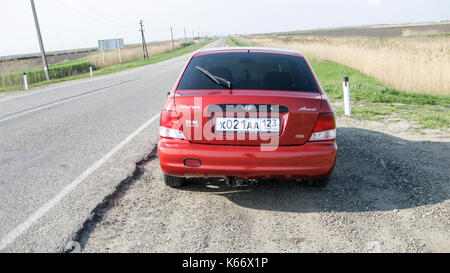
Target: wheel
(173,181)
(320,183)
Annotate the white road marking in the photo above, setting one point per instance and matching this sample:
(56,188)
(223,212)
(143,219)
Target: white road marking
(77,97)
(49,89)
(24,226)
(66,100)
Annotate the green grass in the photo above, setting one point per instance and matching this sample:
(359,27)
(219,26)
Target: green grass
(153,59)
(368,89)
(372,100)
(235,42)
(38,79)
(371,113)
(36,74)
(231,42)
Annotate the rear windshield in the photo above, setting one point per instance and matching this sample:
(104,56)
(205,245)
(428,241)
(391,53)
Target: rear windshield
(260,71)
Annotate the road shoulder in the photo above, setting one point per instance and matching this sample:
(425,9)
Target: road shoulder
(382,197)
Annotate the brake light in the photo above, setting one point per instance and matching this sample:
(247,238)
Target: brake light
(169,125)
(325,128)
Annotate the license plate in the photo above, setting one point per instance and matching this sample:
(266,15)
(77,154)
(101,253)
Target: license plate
(248,125)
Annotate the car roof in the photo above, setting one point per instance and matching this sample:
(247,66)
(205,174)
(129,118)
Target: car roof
(248,49)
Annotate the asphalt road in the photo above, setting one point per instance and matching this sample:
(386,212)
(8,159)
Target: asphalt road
(63,149)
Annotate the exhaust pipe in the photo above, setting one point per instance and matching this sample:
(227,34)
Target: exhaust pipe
(229,181)
(234,182)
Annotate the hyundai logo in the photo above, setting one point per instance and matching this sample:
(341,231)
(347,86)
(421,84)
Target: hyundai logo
(249,107)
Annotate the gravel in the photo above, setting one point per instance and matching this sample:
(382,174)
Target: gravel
(389,193)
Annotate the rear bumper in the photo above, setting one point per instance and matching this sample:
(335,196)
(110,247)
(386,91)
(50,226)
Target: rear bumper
(311,160)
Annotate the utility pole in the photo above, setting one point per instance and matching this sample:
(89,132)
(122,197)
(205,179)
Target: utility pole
(185,39)
(193,36)
(171,34)
(41,45)
(144,45)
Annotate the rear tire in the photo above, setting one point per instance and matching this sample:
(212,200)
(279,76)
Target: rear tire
(320,183)
(173,181)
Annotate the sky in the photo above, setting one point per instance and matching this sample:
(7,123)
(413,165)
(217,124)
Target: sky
(68,24)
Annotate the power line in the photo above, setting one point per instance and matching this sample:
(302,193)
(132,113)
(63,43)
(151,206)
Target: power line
(47,20)
(95,17)
(83,10)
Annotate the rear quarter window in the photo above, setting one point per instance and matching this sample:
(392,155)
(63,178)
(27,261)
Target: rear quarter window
(257,71)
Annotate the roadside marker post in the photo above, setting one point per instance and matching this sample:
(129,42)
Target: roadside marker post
(347,106)
(25,81)
(90,71)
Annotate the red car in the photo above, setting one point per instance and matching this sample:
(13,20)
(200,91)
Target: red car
(246,113)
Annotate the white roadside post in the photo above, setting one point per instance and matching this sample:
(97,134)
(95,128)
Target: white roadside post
(347,106)
(90,71)
(25,81)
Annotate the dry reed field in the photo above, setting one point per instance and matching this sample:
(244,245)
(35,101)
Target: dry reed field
(416,64)
(18,65)
(130,53)
(377,30)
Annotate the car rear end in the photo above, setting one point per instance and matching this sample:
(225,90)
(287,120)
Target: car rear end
(274,121)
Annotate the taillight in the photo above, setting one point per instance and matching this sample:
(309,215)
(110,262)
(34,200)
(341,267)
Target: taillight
(325,128)
(169,125)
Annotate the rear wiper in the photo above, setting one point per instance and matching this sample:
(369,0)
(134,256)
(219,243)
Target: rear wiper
(217,80)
